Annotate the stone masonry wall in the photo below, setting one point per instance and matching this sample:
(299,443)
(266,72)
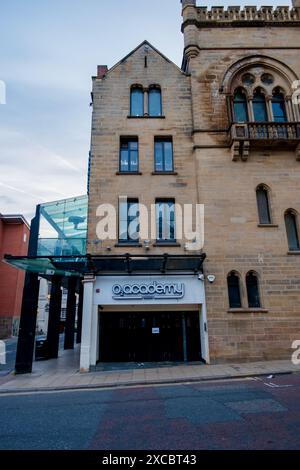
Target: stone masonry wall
(233,239)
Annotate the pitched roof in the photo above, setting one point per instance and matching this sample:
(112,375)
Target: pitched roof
(143,44)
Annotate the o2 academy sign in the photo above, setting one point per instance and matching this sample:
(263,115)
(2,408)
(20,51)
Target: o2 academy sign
(152,290)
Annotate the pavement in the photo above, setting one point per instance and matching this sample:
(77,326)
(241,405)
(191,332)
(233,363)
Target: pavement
(11,347)
(63,374)
(253,413)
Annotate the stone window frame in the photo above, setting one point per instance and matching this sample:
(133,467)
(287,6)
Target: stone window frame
(284,77)
(128,241)
(238,275)
(244,294)
(135,86)
(295,213)
(166,138)
(268,93)
(256,274)
(146,90)
(268,190)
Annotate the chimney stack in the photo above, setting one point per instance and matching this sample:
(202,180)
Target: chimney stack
(101,71)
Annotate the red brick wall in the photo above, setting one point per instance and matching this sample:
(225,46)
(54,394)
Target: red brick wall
(11,279)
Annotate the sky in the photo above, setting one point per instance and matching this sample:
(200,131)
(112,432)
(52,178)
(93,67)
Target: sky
(49,51)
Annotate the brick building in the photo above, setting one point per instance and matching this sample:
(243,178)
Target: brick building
(14,235)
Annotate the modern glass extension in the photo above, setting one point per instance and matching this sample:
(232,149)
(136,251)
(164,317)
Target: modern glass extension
(63,227)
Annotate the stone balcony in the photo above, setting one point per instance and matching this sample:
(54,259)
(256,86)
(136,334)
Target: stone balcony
(279,135)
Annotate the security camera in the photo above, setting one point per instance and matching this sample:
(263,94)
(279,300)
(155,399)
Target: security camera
(211,278)
(201,277)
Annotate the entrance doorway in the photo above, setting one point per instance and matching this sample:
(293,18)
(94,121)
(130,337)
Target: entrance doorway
(149,337)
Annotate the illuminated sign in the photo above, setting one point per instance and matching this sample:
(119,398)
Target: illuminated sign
(154,290)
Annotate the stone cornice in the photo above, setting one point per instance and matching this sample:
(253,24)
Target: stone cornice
(239,24)
(251,16)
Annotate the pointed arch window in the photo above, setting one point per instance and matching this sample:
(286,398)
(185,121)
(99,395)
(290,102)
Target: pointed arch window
(234,292)
(137,101)
(259,104)
(278,106)
(263,205)
(154,101)
(240,106)
(292,230)
(252,290)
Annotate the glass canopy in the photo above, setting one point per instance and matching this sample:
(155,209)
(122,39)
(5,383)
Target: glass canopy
(109,264)
(63,227)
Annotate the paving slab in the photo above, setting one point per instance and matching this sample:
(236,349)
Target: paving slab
(63,373)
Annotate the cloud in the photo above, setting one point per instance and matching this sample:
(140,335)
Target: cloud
(32,174)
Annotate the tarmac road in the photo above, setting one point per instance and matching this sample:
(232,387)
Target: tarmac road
(246,414)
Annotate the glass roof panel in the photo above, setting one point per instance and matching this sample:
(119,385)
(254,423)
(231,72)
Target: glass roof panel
(63,227)
(68,217)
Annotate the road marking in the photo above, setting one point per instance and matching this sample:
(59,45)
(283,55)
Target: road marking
(271,384)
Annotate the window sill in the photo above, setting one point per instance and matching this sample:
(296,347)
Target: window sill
(128,244)
(268,225)
(295,253)
(164,173)
(247,310)
(122,173)
(174,244)
(146,117)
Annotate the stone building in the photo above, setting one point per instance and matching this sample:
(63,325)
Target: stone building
(244,66)
(232,119)
(142,154)
(219,137)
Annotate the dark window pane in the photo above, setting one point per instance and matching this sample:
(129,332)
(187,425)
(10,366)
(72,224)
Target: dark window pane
(168,147)
(292,232)
(124,160)
(259,108)
(137,102)
(278,107)
(159,164)
(129,156)
(165,220)
(263,206)
(234,291)
(172,220)
(252,290)
(155,108)
(134,160)
(240,107)
(133,221)
(129,221)
(163,155)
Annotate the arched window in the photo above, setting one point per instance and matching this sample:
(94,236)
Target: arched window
(234,294)
(259,107)
(278,106)
(292,230)
(137,101)
(252,290)
(263,205)
(240,106)
(154,103)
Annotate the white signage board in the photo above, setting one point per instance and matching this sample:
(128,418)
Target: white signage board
(148,290)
